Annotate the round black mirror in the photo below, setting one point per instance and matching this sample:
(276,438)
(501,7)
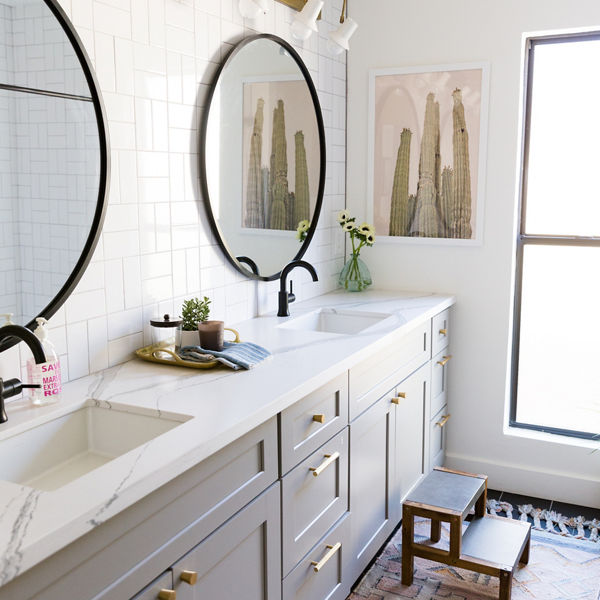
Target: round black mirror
(262,156)
(55,176)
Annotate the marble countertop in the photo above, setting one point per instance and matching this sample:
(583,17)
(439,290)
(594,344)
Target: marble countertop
(223,405)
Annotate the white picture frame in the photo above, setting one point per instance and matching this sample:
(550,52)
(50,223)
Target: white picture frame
(388,115)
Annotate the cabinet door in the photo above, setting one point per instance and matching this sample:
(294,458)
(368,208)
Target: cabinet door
(330,581)
(311,505)
(241,559)
(410,405)
(371,470)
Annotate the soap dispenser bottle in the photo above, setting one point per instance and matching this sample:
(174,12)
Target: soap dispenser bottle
(47,374)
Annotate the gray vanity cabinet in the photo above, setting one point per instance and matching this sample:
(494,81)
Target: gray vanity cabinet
(372,465)
(241,559)
(411,413)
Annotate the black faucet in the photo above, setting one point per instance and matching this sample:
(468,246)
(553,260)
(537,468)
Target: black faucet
(286,297)
(12,387)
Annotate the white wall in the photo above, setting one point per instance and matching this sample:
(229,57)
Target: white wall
(398,33)
(155,60)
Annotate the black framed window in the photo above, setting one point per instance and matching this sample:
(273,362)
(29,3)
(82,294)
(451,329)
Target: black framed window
(556,336)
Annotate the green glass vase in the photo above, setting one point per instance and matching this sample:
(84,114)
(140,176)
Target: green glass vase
(355,276)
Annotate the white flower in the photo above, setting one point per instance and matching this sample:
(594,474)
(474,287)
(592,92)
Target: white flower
(349,226)
(367,229)
(303,226)
(343,216)
(371,238)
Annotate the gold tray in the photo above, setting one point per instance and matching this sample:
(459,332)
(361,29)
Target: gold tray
(156,353)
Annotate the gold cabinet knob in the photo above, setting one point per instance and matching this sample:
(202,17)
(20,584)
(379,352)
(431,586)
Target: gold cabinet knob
(329,459)
(190,577)
(445,360)
(400,395)
(319,418)
(443,332)
(331,550)
(167,595)
(443,420)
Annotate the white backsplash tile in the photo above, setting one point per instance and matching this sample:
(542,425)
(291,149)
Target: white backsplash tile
(155,60)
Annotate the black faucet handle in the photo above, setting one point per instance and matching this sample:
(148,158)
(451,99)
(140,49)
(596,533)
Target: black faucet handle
(291,296)
(12,387)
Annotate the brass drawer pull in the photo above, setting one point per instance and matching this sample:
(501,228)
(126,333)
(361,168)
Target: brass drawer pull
(445,360)
(167,595)
(396,400)
(317,566)
(443,420)
(329,458)
(319,418)
(190,577)
(443,332)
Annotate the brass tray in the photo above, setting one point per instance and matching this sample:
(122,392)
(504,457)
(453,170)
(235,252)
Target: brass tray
(156,353)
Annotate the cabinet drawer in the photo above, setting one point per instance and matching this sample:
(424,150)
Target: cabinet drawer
(332,581)
(312,421)
(238,560)
(312,504)
(439,380)
(437,438)
(164,582)
(440,331)
(375,376)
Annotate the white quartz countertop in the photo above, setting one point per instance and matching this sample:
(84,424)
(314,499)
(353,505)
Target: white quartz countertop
(223,405)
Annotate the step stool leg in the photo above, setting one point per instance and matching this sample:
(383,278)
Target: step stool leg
(525,554)
(408,532)
(436,530)
(505,584)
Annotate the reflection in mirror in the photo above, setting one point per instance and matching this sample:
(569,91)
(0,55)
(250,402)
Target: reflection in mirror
(53,165)
(263,156)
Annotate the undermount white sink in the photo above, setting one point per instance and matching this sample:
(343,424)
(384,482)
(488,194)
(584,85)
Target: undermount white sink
(58,451)
(333,320)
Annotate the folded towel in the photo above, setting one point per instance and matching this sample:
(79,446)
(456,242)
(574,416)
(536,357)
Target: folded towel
(244,355)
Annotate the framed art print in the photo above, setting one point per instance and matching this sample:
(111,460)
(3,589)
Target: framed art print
(427,152)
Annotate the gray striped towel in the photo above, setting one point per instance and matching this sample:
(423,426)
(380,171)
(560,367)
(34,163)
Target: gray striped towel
(244,355)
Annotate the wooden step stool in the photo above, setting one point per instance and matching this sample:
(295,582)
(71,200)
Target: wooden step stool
(490,545)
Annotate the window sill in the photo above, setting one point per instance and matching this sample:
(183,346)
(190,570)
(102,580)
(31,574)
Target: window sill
(551,438)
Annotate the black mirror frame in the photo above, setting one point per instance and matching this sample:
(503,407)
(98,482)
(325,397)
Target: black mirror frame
(98,220)
(202,156)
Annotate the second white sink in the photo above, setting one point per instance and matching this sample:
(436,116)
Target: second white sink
(58,451)
(333,320)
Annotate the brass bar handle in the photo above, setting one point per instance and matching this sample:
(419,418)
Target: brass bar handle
(443,332)
(167,595)
(443,420)
(319,418)
(396,400)
(445,360)
(190,577)
(329,458)
(317,566)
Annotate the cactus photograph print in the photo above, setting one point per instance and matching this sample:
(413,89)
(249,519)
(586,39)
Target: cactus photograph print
(427,152)
(280,155)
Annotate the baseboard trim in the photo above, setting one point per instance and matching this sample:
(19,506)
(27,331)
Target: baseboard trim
(520,479)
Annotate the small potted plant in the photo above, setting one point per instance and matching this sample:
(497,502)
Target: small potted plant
(193,311)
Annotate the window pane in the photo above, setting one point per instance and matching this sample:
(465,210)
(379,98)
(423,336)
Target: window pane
(559,358)
(563,195)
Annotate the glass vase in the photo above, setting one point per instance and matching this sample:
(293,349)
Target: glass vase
(355,275)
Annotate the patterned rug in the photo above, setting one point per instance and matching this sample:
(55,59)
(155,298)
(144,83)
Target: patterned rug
(560,568)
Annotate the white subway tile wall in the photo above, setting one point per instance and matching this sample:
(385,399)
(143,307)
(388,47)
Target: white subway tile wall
(154,60)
